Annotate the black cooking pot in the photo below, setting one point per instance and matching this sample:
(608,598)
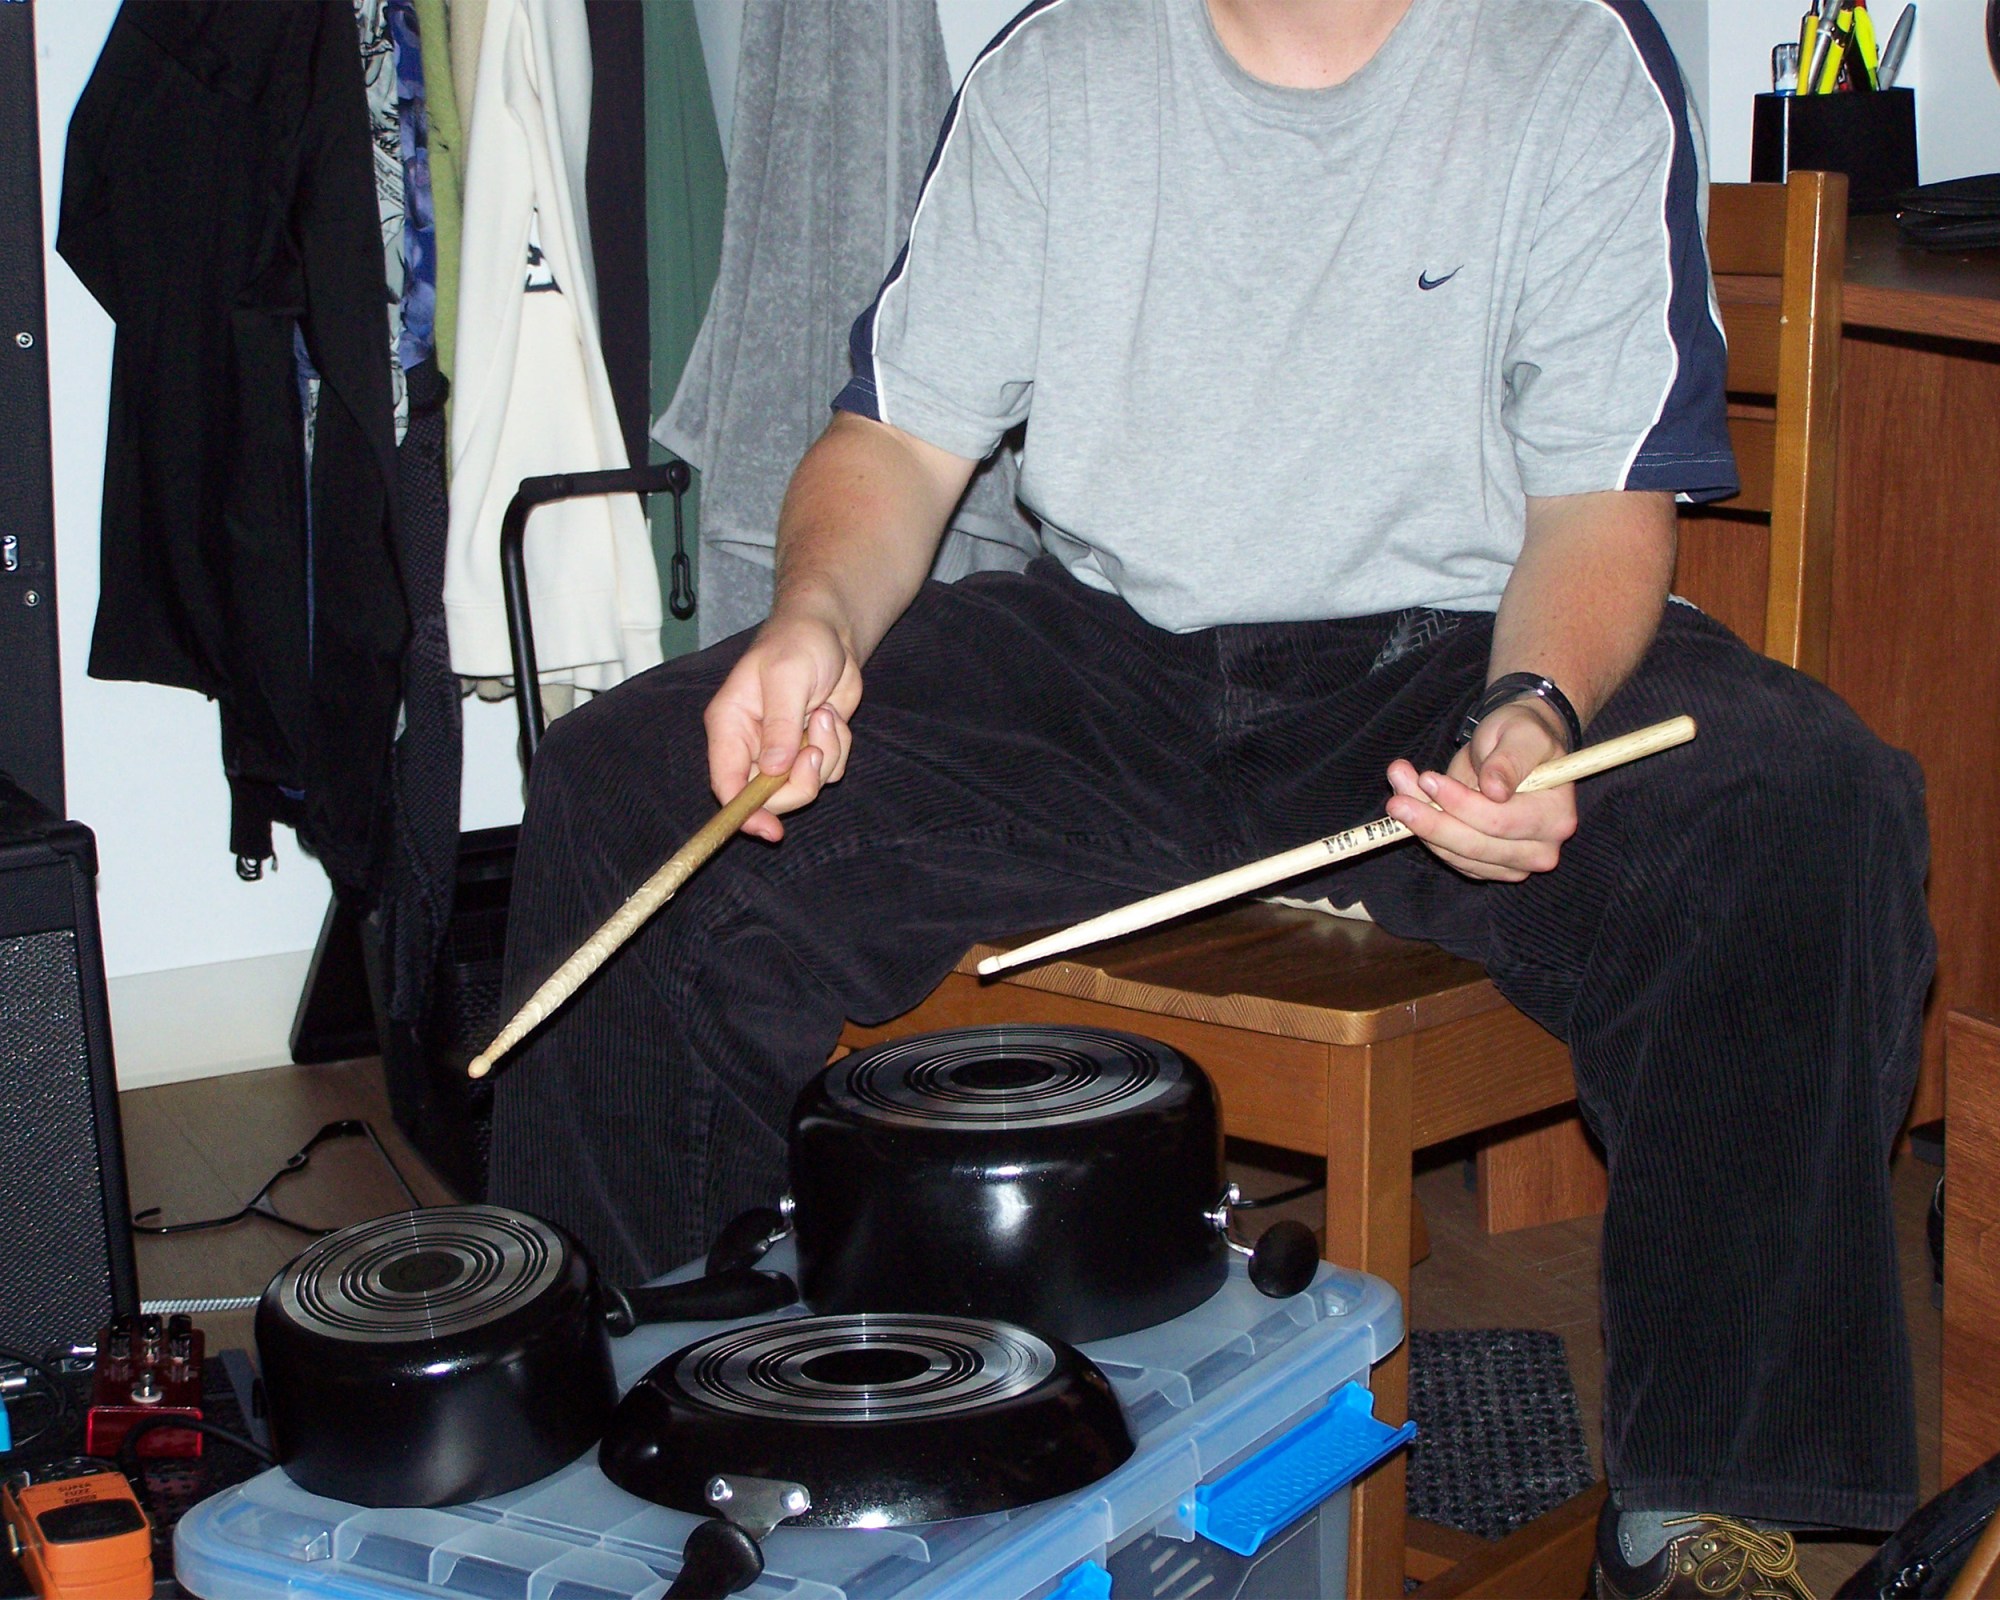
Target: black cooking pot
(432,1357)
(1067,1179)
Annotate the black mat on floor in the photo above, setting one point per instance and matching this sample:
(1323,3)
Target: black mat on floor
(1499,1432)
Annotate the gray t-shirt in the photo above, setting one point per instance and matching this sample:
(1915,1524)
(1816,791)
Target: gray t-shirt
(1288,354)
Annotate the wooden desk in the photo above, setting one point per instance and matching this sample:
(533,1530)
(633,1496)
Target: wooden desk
(1916,598)
(1954,295)
(1915,644)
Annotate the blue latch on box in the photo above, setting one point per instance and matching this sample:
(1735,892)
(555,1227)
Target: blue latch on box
(1087,1581)
(1283,1481)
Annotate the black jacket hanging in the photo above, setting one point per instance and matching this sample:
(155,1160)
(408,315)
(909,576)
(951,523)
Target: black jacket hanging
(217,197)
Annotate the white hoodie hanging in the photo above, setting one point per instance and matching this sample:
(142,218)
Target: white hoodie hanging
(531,395)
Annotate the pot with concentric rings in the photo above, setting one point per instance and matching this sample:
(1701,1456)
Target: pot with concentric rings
(432,1357)
(1067,1179)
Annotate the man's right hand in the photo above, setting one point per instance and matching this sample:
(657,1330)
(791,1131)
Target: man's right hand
(785,708)
(857,533)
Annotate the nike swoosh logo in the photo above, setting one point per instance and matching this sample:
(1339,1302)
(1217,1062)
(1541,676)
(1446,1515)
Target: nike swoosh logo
(1426,282)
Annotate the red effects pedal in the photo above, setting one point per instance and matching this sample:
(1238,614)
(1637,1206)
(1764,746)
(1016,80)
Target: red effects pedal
(146,1369)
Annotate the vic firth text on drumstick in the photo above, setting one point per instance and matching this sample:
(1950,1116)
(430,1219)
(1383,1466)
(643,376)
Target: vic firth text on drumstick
(1334,847)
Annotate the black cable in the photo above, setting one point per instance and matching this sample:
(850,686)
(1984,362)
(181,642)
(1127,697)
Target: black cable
(58,1385)
(260,1205)
(1282,1197)
(130,1461)
(133,1465)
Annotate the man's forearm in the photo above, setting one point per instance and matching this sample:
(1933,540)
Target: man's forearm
(1586,595)
(860,528)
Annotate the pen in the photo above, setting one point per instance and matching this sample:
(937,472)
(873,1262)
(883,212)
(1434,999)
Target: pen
(1895,49)
(1822,43)
(1828,80)
(1869,77)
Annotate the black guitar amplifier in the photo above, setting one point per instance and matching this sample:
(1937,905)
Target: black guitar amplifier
(65,1246)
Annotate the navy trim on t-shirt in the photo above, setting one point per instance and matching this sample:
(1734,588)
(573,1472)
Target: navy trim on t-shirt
(1687,450)
(863,395)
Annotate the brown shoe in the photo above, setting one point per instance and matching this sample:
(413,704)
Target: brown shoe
(1713,1558)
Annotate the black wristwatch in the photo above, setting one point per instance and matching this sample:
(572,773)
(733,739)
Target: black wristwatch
(1522,686)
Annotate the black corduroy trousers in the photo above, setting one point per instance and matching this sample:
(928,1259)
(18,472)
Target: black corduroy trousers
(1734,946)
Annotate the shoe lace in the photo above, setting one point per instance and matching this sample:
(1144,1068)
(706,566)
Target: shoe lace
(1733,1558)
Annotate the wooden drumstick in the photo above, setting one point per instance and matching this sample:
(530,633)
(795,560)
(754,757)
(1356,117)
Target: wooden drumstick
(627,920)
(1323,852)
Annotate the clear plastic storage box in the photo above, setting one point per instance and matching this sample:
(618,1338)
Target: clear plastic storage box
(1250,1415)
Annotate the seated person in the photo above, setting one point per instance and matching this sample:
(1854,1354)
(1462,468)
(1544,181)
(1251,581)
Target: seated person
(1363,347)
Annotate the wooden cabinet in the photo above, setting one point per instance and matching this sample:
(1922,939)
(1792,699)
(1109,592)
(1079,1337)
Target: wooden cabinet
(1916,600)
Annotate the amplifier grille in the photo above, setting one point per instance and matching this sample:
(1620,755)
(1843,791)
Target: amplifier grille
(55,1273)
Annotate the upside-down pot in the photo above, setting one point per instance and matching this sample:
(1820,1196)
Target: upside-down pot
(1067,1179)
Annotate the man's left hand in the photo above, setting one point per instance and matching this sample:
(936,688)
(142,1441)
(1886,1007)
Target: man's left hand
(1469,815)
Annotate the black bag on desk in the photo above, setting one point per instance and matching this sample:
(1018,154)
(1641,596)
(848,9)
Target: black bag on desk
(1962,214)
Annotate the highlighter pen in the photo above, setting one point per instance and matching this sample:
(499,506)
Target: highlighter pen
(1823,33)
(1865,55)
(1898,45)
(1836,55)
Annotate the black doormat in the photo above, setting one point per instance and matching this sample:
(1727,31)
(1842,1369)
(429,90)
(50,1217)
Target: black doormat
(1499,1432)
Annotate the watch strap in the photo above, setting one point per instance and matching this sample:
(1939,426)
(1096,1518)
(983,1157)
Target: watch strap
(1514,686)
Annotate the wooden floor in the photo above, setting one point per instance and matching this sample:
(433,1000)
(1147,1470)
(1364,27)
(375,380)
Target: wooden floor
(199,1149)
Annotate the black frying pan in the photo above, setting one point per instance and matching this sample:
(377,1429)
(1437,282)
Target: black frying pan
(857,1422)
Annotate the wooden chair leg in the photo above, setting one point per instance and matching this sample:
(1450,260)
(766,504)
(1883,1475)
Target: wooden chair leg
(1542,1169)
(1368,1228)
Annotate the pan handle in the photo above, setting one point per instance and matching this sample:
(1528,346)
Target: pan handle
(1285,1257)
(745,1237)
(719,1297)
(725,1553)
(718,1559)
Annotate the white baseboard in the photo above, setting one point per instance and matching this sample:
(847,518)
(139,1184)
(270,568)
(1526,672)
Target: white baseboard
(200,1022)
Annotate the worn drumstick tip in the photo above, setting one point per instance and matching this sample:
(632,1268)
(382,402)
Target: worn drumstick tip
(1335,847)
(629,918)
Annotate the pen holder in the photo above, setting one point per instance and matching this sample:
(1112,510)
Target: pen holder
(1870,137)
